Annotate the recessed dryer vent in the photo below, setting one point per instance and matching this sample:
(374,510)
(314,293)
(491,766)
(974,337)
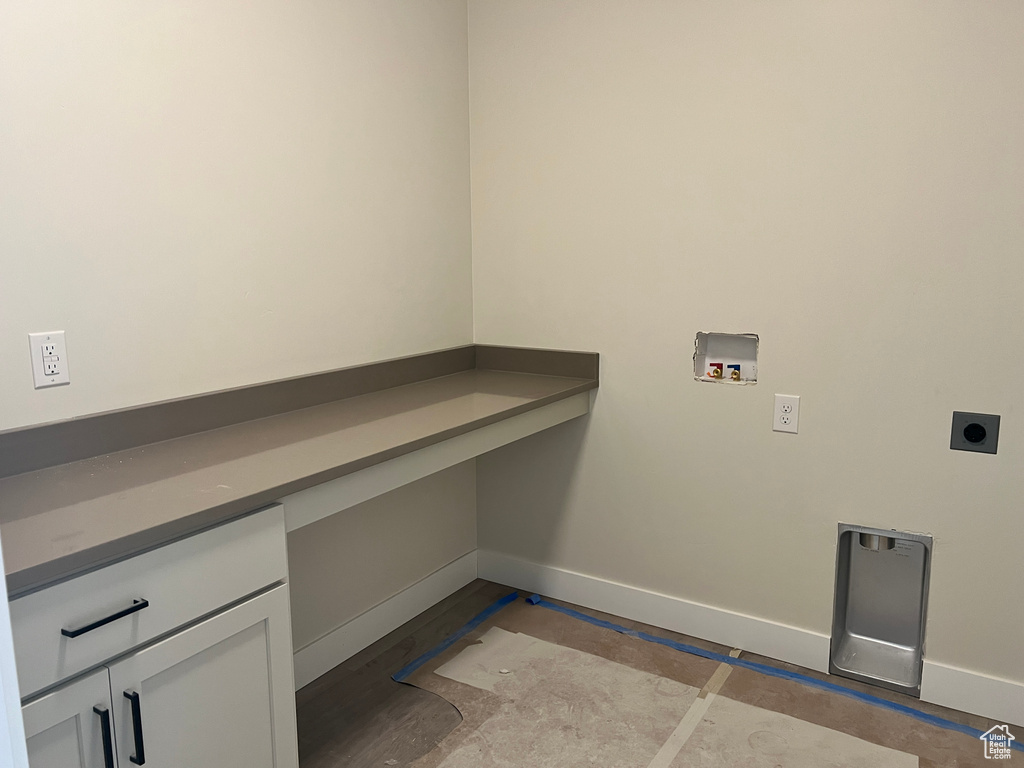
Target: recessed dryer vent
(880,603)
(726,357)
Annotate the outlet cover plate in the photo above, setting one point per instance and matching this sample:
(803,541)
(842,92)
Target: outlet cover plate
(786,416)
(49,359)
(978,432)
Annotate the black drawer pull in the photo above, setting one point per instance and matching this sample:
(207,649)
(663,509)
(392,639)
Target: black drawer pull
(139,758)
(135,607)
(108,744)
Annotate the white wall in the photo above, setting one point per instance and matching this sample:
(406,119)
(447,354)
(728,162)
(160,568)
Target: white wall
(344,565)
(843,179)
(207,195)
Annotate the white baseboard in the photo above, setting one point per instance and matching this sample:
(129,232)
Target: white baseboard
(990,697)
(768,638)
(960,689)
(332,649)
(947,686)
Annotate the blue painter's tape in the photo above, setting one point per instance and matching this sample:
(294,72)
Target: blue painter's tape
(764,669)
(533,599)
(449,641)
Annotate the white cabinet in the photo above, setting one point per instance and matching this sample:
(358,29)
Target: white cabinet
(216,694)
(64,729)
(181,582)
(217,691)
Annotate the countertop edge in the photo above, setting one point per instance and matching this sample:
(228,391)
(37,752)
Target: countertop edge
(27,449)
(33,578)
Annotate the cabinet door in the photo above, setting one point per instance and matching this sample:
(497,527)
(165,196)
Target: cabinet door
(219,694)
(65,728)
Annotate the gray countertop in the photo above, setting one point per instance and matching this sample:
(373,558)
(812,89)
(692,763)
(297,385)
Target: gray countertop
(61,520)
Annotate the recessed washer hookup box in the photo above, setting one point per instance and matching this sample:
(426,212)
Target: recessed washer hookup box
(725,357)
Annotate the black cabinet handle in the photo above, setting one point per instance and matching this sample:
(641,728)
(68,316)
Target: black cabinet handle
(108,743)
(139,758)
(135,607)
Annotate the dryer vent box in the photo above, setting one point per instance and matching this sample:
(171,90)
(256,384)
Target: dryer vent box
(725,357)
(880,604)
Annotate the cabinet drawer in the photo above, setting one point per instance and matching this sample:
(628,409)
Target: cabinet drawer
(180,582)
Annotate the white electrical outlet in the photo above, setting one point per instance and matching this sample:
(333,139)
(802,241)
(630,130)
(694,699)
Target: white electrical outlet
(49,359)
(787,413)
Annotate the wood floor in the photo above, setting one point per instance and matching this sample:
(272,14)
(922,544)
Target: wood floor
(356,716)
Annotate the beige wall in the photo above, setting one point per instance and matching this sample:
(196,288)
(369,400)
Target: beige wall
(343,565)
(843,179)
(211,194)
(206,195)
